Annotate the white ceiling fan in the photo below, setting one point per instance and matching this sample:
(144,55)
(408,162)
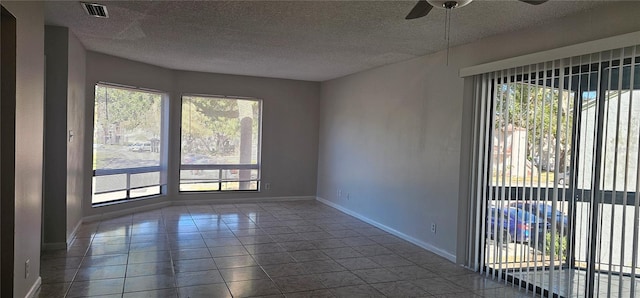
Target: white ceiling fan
(423,7)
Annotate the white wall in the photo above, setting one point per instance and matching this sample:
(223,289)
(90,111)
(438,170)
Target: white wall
(396,140)
(289,125)
(29,135)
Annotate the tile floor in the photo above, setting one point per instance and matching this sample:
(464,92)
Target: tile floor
(283,249)
(572,283)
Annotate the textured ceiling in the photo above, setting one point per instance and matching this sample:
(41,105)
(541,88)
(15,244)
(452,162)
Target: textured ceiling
(306,40)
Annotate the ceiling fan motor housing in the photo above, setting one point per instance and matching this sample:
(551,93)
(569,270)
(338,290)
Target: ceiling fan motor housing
(448,4)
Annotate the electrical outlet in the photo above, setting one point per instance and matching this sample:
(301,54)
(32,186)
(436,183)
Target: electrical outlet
(433,228)
(348,196)
(339,193)
(26,269)
(267,186)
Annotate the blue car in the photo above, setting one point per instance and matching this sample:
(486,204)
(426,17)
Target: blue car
(543,210)
(509,224)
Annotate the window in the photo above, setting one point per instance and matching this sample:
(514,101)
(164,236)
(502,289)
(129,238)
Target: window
(128,138)
(533,122)
(220,145)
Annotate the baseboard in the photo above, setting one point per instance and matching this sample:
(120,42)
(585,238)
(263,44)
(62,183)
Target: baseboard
(63,245)
(34,288)
(72,236)
(114,214)
(427,246)
(54,246)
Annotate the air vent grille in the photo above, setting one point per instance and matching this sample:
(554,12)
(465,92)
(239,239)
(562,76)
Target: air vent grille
(95,10)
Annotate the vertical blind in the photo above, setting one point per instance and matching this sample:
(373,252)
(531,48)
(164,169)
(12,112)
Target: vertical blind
(555,175)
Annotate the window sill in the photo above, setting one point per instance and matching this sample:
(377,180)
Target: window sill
(112,203)
(218,191)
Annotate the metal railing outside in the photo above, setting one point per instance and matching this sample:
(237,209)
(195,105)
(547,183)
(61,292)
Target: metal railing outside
(128,172)
(226,173)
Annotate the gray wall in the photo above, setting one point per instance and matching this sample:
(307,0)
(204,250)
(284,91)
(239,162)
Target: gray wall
(105,68)
(29,136)
(64,111)
(55,131)
(395,138)
(76,99)
(289,130)
(390,138)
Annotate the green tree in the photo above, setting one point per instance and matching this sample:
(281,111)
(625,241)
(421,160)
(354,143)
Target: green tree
(119,112)
(560,246)
(537,109)
(212,126)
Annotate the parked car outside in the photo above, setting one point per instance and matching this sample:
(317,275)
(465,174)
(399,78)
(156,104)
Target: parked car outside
(506,223)
(545,163)
(536,224)
(543,210)
(562,178)
(140,147)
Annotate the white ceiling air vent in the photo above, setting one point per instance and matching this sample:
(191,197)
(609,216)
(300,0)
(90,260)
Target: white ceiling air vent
(95,10)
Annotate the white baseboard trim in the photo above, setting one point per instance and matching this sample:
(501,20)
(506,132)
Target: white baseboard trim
(72,236)
(54,246)
(34,288)
(63,245)
(114,214)
(447,255)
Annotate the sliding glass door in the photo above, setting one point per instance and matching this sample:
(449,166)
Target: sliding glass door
(613,254)
(532,149)
(557,177)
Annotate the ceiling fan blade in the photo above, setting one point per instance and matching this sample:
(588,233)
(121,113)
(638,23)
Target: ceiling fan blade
(421,9)
(534,2)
